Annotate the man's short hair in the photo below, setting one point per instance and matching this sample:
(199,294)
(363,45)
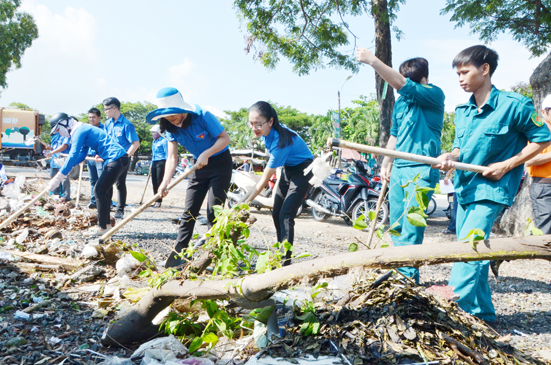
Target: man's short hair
(477,56)
(112,101)
(415,69)
(95,111)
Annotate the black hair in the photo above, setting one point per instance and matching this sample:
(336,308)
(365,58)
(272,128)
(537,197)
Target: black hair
(112,101)
(95,111)
(415,69)
(477,56)
(167,126)
(267,111)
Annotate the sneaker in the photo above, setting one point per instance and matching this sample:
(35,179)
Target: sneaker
(447,231)
(97,231)
(157,205)
(92,206)
(119,215)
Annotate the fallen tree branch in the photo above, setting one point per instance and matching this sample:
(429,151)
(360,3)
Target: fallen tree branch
(136,325)
(66,263)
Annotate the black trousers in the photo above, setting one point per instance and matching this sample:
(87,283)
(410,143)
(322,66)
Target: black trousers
(121,188)
(103,190)
(289,196)
(157,174)
(213,179)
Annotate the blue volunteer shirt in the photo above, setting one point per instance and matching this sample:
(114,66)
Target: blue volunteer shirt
(290,155)
(87,136)
(417,121)
(500,131)
(122,131)
(92,152)
(56,141)
(200,135)
(159,149)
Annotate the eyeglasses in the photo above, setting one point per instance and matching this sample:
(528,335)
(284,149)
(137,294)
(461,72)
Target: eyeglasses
(256,125)
(106,109)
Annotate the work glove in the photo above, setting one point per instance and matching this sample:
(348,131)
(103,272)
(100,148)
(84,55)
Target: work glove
(250,190)
(320,170)
(56,180)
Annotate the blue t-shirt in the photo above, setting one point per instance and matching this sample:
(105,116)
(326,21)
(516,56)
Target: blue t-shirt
(56,141)
(159,149)
(122,131)
(201,134)
(92,152)
(87,136)
(291,155)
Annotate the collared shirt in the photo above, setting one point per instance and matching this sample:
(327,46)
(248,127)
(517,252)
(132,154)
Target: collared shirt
(122,131)
(92,152)
(500,131)
(543,170)
(159,149)
(200,135)
(87,136)
(291,155)
(56,141)
(417,121)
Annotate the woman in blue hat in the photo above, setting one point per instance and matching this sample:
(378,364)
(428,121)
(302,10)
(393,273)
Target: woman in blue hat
(286,149)
(200,133)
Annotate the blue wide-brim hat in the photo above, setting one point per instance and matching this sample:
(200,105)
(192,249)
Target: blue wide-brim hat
(170,102)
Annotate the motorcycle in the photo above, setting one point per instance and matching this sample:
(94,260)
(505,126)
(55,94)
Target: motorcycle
(347,199)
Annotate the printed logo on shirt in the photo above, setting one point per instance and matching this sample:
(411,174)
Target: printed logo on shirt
(427,86)
(201,136)
(536,119)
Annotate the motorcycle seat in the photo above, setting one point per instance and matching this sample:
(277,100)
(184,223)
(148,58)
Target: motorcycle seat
(330,181)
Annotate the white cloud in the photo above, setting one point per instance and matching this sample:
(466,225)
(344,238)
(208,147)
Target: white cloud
(178,74)
(216,111)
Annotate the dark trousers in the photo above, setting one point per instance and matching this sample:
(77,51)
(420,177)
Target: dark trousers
(121,188)
(540,195)
(289,196)
(94,170)
(104,187)
(213,179)
(157,174)
(453,220)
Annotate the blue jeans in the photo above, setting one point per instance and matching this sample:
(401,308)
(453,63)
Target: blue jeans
(94,169)
(64,189)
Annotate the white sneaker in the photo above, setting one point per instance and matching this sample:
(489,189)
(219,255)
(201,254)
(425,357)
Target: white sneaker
(97,231)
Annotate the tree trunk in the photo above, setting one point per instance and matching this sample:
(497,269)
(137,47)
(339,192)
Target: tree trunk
(137,326)
(541,81)
(383,51)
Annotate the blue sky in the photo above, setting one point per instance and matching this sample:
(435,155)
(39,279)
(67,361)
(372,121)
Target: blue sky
(89,50)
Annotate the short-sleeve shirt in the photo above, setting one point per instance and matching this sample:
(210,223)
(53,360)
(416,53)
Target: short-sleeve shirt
(200,135)
(291,155)
(87,136)
(159,149)
(500,131)
(56,141)
(543,170)
(92,152)
(417,121)
(122,131)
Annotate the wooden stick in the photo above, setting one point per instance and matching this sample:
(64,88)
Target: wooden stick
(146,183)
(113,230)
(79,183)
(379,204)
(12,217)
(333,142)
(86,159)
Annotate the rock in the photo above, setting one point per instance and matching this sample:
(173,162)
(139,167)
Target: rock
(89,273)
(16,342)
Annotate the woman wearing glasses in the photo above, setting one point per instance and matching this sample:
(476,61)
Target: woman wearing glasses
(286,149)
(201,134)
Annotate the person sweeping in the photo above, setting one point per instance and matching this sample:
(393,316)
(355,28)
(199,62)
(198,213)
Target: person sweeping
(115,160)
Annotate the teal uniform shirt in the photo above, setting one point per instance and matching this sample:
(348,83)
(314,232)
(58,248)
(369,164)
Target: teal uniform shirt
(500,131)
(417,121)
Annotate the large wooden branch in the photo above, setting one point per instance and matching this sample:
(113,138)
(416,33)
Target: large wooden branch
(136,326)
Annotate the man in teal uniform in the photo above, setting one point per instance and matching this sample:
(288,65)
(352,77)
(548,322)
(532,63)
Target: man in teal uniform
(417,122)
(492,129)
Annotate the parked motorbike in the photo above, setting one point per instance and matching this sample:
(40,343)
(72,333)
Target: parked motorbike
(347,199)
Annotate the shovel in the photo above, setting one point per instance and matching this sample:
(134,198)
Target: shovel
(334,142)
(113,230)
(12,217)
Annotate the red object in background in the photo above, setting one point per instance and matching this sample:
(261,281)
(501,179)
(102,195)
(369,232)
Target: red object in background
(272,181)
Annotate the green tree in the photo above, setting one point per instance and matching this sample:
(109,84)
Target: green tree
(21,106)
(17,32)
(448,132)
(528,22)
(312,34)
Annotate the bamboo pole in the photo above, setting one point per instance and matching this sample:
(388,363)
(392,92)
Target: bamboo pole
(146,183)
(113,230)
(379,203)
(12,217)
(333,142)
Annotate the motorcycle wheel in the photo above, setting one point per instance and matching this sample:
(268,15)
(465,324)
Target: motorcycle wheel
(319,216)
(432,206)
(359,209)
(240,192)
